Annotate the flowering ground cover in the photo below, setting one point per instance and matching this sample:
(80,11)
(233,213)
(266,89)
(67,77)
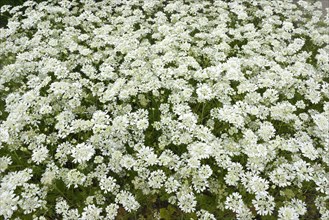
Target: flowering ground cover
(164,110)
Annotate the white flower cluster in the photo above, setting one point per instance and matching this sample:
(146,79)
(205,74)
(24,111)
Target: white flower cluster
(200,104)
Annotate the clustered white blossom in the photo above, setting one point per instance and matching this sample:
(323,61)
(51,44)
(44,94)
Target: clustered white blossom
(218,108)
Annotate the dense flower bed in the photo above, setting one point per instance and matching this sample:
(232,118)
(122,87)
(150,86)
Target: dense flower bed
(164,109)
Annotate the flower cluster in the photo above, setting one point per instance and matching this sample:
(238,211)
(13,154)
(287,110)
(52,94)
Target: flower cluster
(206,109)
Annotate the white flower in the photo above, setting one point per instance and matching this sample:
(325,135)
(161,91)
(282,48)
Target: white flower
(200,150)
(4,135)
(82,152)
(108,184)
(14,179)
(48,177)
(205,215)
(282,176)
(156,179)
(61,206)
(186,202)
(127,200)
(264,204)
(4,163)
(204,92)
(91,212)
(40,154)
(128,162)
(299,206)
(8,203)
(234,202)
(288,213)
(266,131)
(75,177)
(205,172)
(171,185)
(111,211)
(322,122)
(30,200)
(147,154)
(72,214)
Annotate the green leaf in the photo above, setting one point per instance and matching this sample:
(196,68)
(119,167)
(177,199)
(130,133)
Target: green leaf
(289,193)
(167,213)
